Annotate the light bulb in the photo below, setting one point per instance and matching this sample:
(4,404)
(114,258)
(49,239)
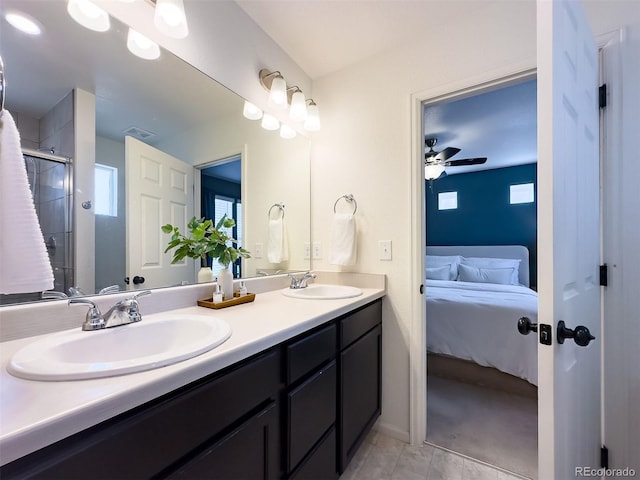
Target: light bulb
(141,46)
(287,132)
(170,18)
(23,23)
(269,122)
(312,123)
(298,111)
(89,15)
(251,112)
(433,171)
(278,91)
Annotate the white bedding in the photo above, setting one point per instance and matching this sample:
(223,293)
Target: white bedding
(478,322)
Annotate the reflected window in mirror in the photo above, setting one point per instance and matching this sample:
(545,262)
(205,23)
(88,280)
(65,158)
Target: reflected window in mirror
(106,190)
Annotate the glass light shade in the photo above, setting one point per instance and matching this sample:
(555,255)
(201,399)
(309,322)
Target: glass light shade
(23,23)
(278,91)
(170,18)
(298,111)
(251,112)
(141,46)
(287,132)
(312,123)
(269,122)
(89,15)
(433,171)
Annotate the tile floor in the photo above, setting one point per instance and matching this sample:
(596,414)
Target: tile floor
(384,458)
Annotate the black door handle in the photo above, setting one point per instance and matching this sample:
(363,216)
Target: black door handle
(525,325)
(581,335)
(137,280)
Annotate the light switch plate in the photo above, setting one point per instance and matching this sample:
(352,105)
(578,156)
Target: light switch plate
(385,249)
(307,250)
(317,250)
(257,253)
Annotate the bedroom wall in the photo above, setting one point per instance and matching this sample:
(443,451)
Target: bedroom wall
(484,215)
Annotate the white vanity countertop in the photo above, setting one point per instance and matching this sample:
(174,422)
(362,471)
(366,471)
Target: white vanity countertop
(35,414)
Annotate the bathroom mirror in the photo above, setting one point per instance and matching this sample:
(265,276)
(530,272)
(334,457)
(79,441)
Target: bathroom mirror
(165,103)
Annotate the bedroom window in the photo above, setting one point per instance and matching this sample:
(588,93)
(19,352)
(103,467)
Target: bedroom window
(521,193)
(447,200)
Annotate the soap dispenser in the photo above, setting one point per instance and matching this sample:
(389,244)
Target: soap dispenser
(243,289)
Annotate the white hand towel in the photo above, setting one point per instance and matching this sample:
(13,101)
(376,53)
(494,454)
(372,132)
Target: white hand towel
(343,245)
(278,246)
(24,262)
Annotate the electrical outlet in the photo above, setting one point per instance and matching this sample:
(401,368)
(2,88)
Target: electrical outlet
(257,252)
(317,250)
(385,249)
(307,251)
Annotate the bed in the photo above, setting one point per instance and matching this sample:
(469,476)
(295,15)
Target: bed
(475,295)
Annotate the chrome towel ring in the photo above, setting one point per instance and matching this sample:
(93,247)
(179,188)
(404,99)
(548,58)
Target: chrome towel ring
(280,207)
(349,198)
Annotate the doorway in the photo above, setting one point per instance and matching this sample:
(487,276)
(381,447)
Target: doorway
(481,403)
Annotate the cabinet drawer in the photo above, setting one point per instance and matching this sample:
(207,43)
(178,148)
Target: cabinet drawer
(356,324)
(311,351)
(321,464)
(312,411)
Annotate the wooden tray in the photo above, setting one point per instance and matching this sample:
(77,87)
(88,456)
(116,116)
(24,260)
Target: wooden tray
(236,300)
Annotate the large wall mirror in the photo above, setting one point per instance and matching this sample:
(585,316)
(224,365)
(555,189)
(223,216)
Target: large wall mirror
(55,83)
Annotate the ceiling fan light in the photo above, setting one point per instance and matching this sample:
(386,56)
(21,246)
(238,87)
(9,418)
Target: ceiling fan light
(141,46)
(298,111)
(89,15)
(433,171)
(251,112)
(170,18)
(269,122)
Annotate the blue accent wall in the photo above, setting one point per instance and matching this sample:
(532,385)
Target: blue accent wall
(484,215)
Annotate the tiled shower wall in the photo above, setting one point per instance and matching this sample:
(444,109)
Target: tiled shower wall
(51,189)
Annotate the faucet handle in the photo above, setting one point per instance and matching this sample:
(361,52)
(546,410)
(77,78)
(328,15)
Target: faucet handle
(140,294)
(132,306)
(93,320)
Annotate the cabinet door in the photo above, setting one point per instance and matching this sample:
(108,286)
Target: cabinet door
(250,451)
(360,399)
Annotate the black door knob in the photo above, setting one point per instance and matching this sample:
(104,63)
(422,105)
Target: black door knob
(126,280)
(137,280)
(525,325)
(581,335)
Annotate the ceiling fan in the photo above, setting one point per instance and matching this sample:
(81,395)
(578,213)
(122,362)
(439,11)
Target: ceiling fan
(435,162)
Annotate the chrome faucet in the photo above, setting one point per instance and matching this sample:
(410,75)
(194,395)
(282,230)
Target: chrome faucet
(124,312)
(301,282)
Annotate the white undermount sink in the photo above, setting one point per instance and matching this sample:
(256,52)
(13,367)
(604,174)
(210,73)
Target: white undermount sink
(319,291)
(79,355)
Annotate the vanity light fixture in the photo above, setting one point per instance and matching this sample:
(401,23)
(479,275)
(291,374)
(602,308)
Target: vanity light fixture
(141,46)
(433,171)
(251,112)
(274,83)
(298,110)
(269,122)
(287,132)
(312,122)
(170,18)
(23,22)
(89,15)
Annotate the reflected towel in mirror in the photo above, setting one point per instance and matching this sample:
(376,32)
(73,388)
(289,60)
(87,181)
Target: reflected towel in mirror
(343,244)
(278,246)
(24,262)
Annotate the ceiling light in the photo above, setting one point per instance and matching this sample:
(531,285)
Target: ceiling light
(269,122)
(274,83)
(433,171)
(312,123)
(170,18)
(141,46)
(287,132)
(89,15)
(298,111)
(23,23)
(251,112)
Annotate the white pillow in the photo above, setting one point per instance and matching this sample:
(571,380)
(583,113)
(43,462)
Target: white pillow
(438,273)
(487,262)
(451,261)
(467,273)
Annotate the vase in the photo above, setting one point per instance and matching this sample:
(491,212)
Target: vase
(205,275)
(225,280)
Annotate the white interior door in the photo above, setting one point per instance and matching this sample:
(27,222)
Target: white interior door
(159,191)
(568,240)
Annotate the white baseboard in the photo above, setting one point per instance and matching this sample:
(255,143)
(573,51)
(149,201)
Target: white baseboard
(392,432)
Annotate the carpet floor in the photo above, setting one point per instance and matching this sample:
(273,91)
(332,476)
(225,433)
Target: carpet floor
(493,426)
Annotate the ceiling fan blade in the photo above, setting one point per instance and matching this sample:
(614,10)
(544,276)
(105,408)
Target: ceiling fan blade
(447,153)
(466,161)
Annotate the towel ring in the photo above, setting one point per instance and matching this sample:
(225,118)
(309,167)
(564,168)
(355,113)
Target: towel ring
(349,198)
(2,87)
(280,207)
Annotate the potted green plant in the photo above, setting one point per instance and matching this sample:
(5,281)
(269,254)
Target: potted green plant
(202,240)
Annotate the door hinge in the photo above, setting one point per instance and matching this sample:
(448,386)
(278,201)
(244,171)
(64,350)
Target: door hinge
(602,95)
(604,457)
(604,275)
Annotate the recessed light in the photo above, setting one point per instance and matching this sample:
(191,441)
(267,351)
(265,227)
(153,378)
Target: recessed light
(23,22)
